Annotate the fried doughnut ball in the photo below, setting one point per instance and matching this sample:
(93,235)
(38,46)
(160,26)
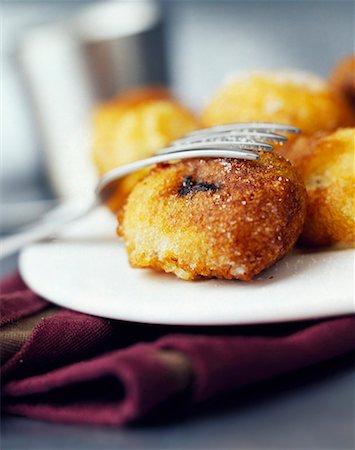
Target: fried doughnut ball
(343,80)
(135,125)
(223,218)
(291,97)
(326,163)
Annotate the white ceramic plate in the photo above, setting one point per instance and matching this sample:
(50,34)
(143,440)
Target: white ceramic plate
(86,269)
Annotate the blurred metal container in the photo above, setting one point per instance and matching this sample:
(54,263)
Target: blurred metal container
(122,43)
(70,66)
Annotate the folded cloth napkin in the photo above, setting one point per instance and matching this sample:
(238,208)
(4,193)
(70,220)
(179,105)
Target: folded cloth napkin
(62,365)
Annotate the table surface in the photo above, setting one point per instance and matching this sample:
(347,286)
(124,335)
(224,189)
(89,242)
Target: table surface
(313,409)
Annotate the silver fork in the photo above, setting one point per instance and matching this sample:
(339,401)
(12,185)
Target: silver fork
(240,141)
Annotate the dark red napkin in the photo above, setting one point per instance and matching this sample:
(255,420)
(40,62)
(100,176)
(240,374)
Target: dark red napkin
(61,365)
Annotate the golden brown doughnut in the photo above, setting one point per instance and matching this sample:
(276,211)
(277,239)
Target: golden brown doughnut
(326,163)
(223,218)
(342,80)
(291,97)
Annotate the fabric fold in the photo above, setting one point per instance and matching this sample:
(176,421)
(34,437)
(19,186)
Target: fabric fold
(224,363)
(78,368)
(113,389)
(18,304)
(59,340)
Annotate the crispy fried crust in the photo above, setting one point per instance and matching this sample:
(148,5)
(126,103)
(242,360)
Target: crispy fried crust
(343,80)
(214,218)
(135,125)
(295,98)
(326,164)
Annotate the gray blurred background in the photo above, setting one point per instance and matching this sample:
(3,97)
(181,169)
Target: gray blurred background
(57,60)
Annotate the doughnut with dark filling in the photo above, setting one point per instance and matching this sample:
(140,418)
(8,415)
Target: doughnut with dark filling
(223,218)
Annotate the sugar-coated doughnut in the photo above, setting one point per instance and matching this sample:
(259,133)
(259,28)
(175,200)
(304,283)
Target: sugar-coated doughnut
(326,163)
(223,218)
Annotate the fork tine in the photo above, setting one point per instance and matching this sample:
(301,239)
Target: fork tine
(251,126)
(234,153)
(261,134)
(234,136)
(222,145)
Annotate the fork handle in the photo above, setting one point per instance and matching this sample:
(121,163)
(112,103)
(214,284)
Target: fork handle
(12,244)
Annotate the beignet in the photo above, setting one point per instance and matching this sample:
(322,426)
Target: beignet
(326,163)
(291,97)
(342,81)
(223,218)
